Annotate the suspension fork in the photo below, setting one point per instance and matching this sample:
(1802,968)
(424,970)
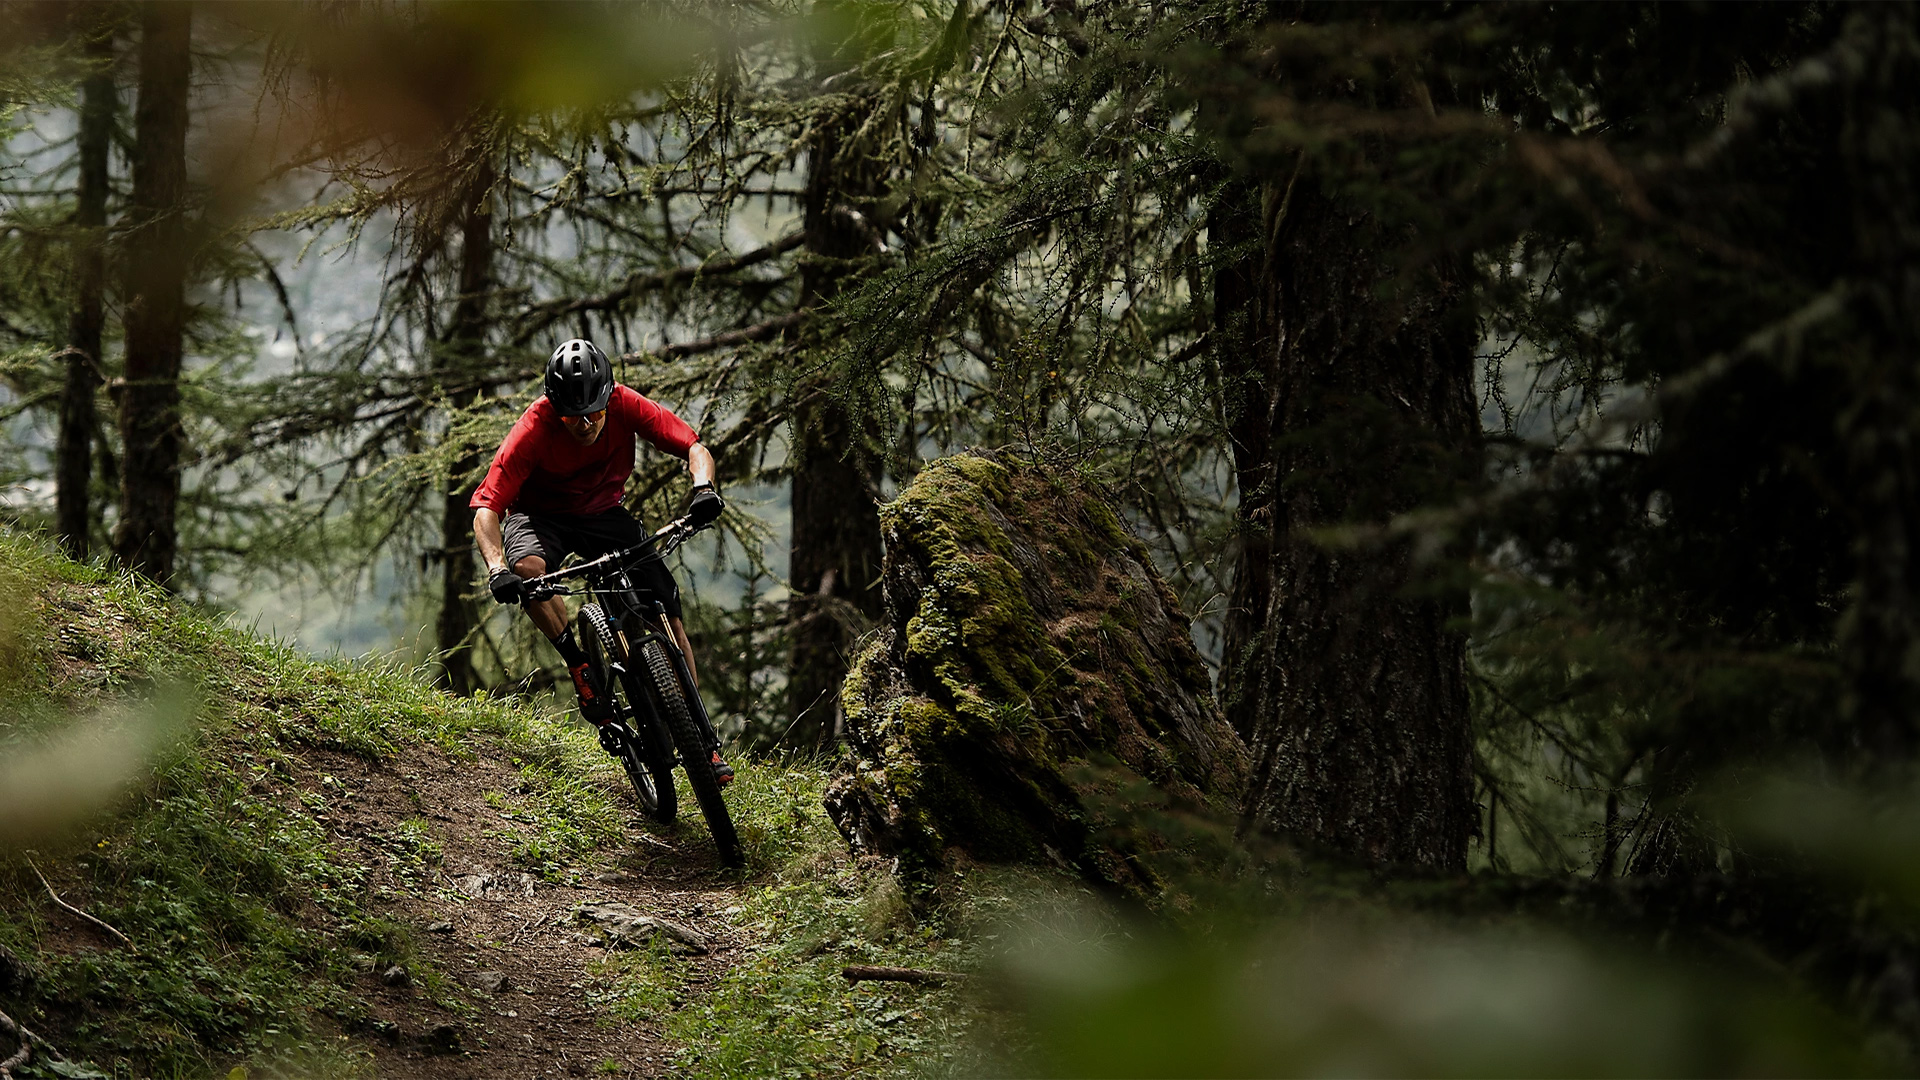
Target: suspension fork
(660,628)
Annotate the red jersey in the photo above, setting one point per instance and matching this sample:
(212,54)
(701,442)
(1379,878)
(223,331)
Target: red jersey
(540,469)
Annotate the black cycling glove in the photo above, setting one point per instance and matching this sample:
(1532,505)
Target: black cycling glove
(506,585)
(703,509)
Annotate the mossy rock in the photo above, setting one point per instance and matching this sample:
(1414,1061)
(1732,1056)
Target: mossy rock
(1034,695)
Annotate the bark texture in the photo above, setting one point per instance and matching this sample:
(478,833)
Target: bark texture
(834,558)
(462,348)
(158,243)
(73,448)
(1033,694)
(1880,634)
(1350,400)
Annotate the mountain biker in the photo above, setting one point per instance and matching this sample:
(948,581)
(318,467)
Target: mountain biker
(555,487)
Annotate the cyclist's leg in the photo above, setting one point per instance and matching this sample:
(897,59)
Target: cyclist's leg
(686,648)
(534,545)
(617,529)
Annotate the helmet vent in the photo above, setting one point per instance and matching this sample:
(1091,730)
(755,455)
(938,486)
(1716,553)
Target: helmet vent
(579,378)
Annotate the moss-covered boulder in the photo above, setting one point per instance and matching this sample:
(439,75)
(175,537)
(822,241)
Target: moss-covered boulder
(1034,695)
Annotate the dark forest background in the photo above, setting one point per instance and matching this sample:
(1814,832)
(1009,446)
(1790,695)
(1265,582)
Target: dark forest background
(1522,398)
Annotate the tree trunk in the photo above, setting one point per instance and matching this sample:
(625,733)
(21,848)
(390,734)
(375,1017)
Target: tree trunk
(462,349)
(1880,633)
(1234,221)
(834,558)
(1350,399)
(73,469)
(157,259)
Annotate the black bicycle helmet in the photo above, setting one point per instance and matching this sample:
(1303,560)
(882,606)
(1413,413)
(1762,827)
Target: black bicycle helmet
(579,378)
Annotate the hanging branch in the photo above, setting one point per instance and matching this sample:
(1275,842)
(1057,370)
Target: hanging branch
(539,316)
(743,336)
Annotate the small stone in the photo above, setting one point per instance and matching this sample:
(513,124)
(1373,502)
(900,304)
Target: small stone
(396,976)
(611,877)
(441,927)
(442,1038)
(474,885)
(491,981)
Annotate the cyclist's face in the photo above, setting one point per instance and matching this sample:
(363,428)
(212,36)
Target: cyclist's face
(585,429)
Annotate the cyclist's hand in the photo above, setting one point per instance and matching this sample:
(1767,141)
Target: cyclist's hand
(703,509)
(506,585)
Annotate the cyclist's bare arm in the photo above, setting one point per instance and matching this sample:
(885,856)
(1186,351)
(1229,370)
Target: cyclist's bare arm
(550,615)
(700,464)
(488,537)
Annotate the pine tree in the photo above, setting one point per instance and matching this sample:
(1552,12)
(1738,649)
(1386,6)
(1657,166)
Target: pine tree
(85,362)
(1349,393)
(466,339)
(833,566)
(158,251)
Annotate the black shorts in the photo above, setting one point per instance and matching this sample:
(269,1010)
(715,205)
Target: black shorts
(553,536)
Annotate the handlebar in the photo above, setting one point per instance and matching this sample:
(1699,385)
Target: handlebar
(658,546)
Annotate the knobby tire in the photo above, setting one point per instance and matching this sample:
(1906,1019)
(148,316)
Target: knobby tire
(652,780)
(695,756)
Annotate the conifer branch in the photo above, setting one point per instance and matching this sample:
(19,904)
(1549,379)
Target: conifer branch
(539,316)
(743,336)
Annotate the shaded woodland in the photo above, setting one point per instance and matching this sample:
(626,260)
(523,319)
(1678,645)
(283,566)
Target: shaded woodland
(1519,399)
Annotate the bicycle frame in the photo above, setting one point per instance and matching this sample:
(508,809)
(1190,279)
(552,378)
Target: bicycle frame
(610,585)
(670,724)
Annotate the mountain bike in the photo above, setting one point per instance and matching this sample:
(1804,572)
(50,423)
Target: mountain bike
(658,719)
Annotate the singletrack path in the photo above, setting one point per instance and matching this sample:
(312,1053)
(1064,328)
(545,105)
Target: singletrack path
(476,917)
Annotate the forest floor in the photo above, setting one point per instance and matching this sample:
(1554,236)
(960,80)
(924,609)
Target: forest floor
(512,942)
(330,869)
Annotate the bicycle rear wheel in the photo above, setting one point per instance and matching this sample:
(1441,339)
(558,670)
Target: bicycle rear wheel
(695,757)
(649,770)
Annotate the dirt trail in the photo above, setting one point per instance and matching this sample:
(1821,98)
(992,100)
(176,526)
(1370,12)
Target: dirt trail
(476,917)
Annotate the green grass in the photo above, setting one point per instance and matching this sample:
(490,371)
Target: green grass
(249,922)
(808,909)
(245,917)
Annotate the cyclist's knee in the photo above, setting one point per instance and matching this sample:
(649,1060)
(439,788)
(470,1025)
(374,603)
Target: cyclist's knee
(531,566)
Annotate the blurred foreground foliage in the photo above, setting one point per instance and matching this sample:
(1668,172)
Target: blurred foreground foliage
(1683,237)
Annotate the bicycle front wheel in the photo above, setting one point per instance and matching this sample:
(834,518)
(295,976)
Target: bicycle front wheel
(649,769)
(695,757)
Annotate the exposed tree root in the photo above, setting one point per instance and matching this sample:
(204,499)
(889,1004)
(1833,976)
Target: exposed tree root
(26,1039)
